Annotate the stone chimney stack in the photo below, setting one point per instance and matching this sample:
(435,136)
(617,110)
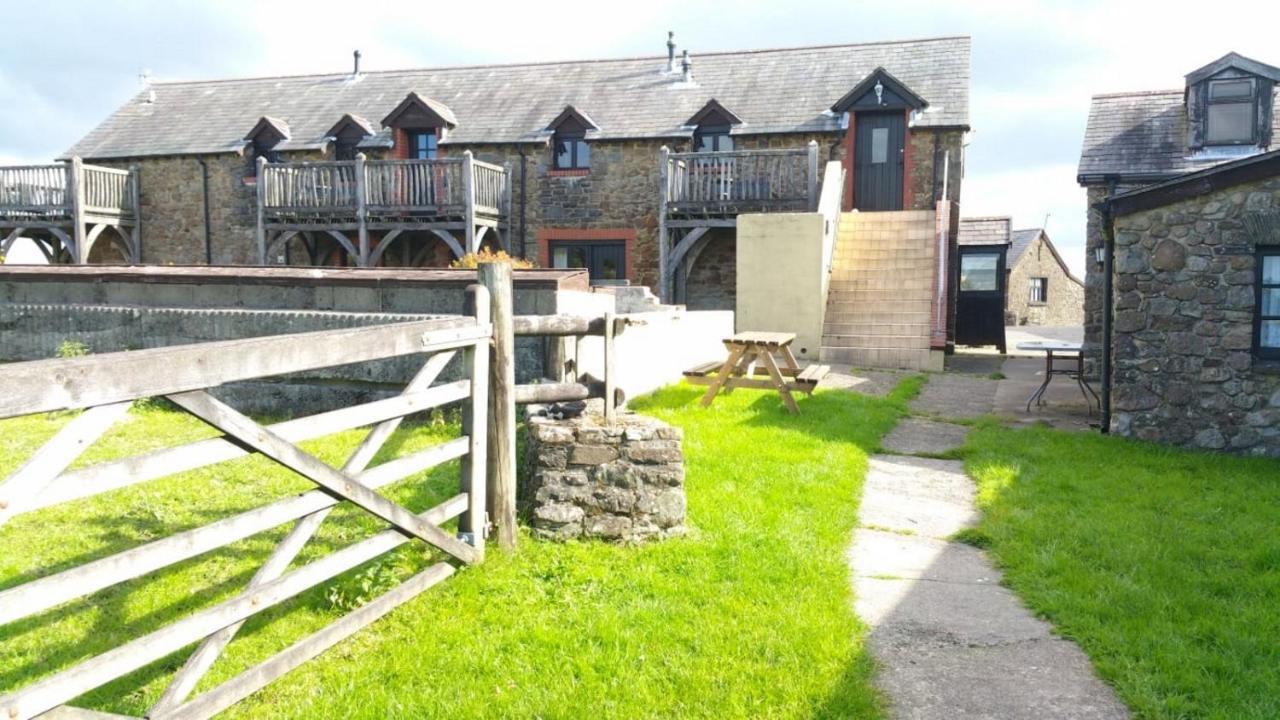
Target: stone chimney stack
(671,52)
(686,68)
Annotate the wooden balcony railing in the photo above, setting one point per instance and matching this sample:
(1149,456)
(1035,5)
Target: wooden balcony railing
(63,192)
(381,190)
(725,183)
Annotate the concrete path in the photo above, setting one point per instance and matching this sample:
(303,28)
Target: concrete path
(917,436)
(956,396)
(950,641)
(876,383)
(1064,405)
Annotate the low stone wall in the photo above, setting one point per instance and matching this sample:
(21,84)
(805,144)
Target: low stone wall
(585,479)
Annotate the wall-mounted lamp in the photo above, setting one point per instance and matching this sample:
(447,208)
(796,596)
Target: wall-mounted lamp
(1100,255)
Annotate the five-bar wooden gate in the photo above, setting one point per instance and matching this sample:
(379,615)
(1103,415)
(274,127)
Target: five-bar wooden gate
(106,385)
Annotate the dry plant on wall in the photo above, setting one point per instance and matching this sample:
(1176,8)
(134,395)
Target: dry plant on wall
(471,260)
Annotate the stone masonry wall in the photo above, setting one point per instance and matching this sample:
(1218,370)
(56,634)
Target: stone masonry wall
(1185,290)
(927,148)
(1065,302)
(583,478)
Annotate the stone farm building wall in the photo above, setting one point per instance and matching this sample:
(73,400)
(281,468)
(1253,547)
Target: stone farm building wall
(1185,299)
(1064,301)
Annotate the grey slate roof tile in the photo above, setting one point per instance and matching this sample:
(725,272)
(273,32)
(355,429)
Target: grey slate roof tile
(1144,134)
(985,230)
(773,91)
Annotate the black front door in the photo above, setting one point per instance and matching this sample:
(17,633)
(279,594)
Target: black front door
(980,300)
(878,160)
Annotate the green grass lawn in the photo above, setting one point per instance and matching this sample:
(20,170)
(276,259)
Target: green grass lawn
(1164,565)
(750,615)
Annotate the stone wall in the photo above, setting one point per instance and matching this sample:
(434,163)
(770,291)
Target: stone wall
(1185,371)
(585,479)
(1064,304)
(924,183)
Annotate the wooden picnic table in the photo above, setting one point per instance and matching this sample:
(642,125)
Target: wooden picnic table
(752,354)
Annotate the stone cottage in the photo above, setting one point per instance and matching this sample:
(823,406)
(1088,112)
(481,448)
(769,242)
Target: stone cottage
(1196,296)
(610,165)
(1042,289)
(1224,111)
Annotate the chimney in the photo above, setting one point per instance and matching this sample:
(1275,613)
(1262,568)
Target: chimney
(144,78)
(355,71)
(671,52)
(686,68)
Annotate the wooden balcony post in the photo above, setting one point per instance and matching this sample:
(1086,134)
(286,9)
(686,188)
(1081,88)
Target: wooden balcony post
(469,201)
(135,233)
(664,179)
(261,187)
(506,208)
(813,175)
(362,229)
(501,497)
(75,186)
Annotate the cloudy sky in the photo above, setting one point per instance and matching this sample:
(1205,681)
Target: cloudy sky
(1035,63)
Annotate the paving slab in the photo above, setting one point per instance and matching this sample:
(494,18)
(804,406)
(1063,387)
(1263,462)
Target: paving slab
(918,436)
(950,641)
(955,396)
(875,383)
(1064,404)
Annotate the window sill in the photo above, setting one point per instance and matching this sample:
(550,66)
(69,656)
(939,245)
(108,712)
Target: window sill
(1033,303)
(569,172)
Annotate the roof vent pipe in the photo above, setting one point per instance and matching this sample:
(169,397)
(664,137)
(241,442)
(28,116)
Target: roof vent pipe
(686,68)
(671,51)
(145,78)
(355,71)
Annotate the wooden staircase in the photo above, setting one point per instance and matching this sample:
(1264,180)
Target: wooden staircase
(881,285)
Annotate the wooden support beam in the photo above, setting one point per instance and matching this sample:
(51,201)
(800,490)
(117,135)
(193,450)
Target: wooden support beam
(664,181)
(362,219)
(79,254)
(61,687)
(469,198)
(257,677)
(55,455)
(260,188)
(496,277)
(340,484)
(61,384)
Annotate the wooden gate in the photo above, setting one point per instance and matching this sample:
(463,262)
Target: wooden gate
(106,385)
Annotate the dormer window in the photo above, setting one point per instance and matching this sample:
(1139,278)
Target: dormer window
(265,138)
(1231,112)
(569,147)
(422,144)
(712,125)
(419,122)
(347,135)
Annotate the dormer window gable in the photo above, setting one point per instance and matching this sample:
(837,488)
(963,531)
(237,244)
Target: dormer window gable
(266,135)
(418,124)
(347,134)
(1229,103)
(712,125)
(880,91)
(569,147)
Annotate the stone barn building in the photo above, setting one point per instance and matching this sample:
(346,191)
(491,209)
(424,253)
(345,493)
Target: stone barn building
(611,165)
(1042,289)
(1196,296)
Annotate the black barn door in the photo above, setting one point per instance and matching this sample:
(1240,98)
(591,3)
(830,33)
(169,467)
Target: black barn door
(980,300)
(878,160)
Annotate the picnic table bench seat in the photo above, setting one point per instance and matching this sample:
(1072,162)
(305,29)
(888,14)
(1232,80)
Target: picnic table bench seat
(751,355)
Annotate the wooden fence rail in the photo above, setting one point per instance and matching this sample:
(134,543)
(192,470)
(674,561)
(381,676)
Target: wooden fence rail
(106,385)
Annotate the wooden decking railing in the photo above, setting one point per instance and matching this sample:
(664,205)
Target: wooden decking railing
(387,191)
(728,183)
(59,192)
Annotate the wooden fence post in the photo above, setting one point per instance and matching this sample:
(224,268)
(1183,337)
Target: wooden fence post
(471,524)
(496,277)
(76,177)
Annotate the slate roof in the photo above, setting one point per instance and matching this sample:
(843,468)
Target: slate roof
(1142,136)
(985,230)
(773,91)
(1022,241)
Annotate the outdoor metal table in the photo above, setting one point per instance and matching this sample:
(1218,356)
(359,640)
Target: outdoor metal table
(1065,351)
(746,349)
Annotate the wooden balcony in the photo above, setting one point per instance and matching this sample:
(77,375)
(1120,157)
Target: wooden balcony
(65,207)
(443,195)
(721,185)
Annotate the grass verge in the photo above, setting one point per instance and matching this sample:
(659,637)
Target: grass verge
(750,615)
(1164,565)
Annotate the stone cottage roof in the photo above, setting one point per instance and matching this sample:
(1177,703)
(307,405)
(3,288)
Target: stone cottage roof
(772,91)
(1142,137)
(1022,240)
(985,230)
(1198,183)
